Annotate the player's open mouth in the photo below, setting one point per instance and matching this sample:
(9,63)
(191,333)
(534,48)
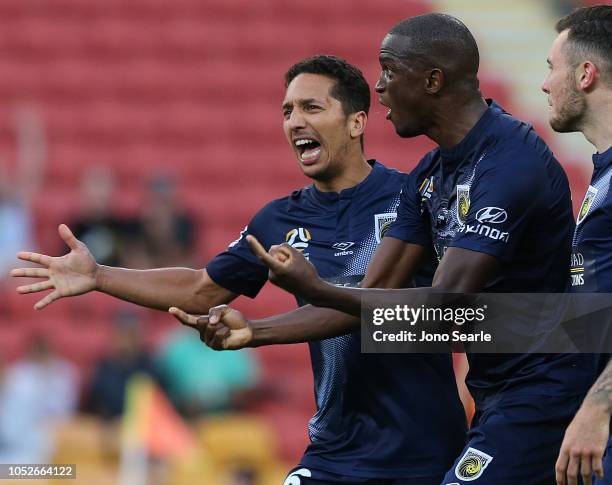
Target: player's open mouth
(388,116)
(308,148)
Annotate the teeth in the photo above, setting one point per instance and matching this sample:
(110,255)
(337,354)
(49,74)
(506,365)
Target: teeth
(310,154)
(300,143)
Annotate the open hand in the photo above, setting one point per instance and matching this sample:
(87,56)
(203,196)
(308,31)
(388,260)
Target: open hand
(69,275)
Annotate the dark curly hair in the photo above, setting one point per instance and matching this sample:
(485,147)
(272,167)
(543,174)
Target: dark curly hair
(351,88)
(590,33)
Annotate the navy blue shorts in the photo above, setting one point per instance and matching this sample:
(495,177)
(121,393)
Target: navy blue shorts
(308,476)
(514,440)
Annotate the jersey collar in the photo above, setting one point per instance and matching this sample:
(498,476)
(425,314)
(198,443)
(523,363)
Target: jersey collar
(475,137)
(366,184)
(601,161)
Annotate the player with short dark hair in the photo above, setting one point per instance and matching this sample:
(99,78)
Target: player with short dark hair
(579,88)
(383,419)
(351,88)
(487,162)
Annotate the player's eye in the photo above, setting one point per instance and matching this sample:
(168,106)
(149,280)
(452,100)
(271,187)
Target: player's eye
(387,73)
(286,113)
(311,107)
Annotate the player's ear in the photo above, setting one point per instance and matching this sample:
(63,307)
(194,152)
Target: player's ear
(434,81)
(586,75)
(357,123)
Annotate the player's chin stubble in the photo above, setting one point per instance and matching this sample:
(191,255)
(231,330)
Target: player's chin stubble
(570,113)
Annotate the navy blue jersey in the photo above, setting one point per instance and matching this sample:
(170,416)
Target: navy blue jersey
(500,191)
(591,263)
(377,416)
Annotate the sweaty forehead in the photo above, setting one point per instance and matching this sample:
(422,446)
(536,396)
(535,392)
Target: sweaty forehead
(308,86)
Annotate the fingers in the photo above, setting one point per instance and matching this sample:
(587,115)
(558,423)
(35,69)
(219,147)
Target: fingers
(208,332)
(572,469)
(561,467)
(281,253)
(259,251)
(66,234)
(30,272)
(184,317)
(42,286)
(219,338)
(585,470)
(50,298)
(215,314)
(212,330)
(598,466)
(35,258)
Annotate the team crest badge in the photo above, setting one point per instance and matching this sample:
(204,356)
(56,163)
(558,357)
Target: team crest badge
(589,197)
(472,465)
(382,223)
(463,202)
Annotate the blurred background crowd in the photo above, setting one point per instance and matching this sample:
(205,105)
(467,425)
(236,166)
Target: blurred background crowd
(153,129)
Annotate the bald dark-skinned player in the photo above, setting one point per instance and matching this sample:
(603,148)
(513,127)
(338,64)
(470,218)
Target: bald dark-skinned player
(495,205)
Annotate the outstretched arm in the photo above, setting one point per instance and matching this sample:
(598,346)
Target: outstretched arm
(77,273)
(587,435)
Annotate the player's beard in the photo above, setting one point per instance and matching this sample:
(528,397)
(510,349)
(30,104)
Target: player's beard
(571,110)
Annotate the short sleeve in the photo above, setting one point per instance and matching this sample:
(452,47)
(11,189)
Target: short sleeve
(502,198)
(411,224)
(237,269)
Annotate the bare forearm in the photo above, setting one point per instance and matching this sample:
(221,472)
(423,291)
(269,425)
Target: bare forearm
(317,323)
(601,392)
(302,325)
(158,288)
(343,299)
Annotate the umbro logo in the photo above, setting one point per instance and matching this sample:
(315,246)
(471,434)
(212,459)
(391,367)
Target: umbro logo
(343,246)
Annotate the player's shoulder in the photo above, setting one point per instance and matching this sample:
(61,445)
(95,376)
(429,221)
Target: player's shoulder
(386,171)
(301,202)
(390,179)
(271,211)
(515,142)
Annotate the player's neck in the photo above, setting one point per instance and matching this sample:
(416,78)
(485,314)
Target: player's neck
(454,121)
(597,128)
(355,172)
